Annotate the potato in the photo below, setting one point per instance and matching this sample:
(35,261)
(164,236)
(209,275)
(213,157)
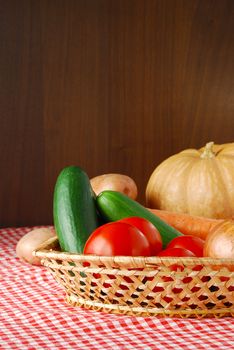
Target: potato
(114,182)
(30,241)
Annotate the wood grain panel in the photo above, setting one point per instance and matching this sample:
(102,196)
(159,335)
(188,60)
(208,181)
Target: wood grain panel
(112,86)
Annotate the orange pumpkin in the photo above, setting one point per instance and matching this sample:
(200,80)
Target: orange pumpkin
(198,182)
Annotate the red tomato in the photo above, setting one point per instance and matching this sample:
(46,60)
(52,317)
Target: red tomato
(178,252)
(117,238)
(149,230)
(192,243)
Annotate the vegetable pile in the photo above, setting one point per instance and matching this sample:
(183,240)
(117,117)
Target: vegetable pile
(101,216)
(111,222)
(78,213)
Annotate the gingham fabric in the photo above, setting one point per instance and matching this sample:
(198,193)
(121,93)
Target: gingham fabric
(33,315)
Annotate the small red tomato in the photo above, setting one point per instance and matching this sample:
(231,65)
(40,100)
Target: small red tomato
(192,243)
(149,230)
(117,238)
(177,252)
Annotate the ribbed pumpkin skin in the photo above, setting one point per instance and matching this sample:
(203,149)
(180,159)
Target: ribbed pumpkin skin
(197,182)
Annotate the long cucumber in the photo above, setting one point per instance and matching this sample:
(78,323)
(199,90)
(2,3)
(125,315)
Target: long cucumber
(74,209)
(115,206)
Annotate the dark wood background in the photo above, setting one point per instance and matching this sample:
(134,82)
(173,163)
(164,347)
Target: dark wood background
(110,85)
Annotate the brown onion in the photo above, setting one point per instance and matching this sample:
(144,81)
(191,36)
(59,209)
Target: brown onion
(220,242)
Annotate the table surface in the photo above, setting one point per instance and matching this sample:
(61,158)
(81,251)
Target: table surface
(33,315)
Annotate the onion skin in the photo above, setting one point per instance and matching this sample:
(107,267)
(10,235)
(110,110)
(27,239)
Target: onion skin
(220,242)
(30,241)
(115,182)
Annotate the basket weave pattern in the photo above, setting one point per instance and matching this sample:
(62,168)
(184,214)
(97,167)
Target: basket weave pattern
(184,287)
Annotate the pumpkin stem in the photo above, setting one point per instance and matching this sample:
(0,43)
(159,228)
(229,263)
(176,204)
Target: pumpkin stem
(208,152)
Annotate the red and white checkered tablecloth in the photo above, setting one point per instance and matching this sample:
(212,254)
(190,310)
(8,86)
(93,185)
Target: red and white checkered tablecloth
(33,315)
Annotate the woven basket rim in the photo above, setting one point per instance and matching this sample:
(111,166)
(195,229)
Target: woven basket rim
(44,251)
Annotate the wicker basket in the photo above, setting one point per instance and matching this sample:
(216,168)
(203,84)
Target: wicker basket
(143,286)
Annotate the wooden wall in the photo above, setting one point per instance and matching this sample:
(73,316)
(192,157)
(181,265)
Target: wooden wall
(110,85)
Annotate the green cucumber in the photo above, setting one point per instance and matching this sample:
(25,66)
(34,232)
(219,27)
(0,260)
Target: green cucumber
(115,206)
(74,209)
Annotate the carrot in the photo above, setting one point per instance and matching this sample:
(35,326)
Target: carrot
(189,224)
